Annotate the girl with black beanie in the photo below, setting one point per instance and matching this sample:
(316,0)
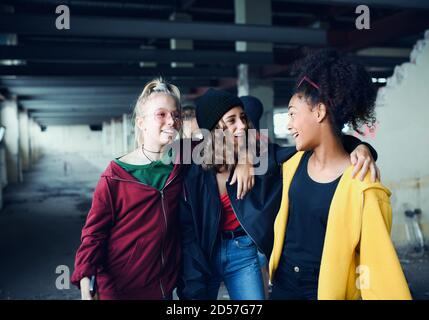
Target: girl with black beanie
(221,234)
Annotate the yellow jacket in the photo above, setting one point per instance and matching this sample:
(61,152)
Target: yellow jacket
(358,259)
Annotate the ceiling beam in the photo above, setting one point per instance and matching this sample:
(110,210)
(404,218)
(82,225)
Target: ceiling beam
(80,95)
(77,53)
(66,93)
(50,114)
(75,121)
(87,90)
(64,52)
(81,110)
(98,82)
(186,4)
(76,116)
(378,61)
(83,101)
(410,4)
(34,105)
(165,5)
(41,82)
(396,26)
(112,27)
(64,69)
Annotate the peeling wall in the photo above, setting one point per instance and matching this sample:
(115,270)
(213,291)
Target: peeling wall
(401,139)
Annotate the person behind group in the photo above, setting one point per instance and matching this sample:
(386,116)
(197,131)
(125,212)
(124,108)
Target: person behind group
(190,126)
(254,109)
(332,232)
(223,232)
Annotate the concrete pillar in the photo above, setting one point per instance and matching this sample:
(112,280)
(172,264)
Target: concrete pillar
(253,12)
(3,173)
(119,140)
(128,139)
(258,13)
(131,138)
(32,142)
(105,138)
(9,119)
(117,137)
(3,168)
(24,140)
(36,145)
(112,137)
(35,132)
(179,44)
(38,134)
(30,151)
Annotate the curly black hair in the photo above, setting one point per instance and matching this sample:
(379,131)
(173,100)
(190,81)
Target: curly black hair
(345,88)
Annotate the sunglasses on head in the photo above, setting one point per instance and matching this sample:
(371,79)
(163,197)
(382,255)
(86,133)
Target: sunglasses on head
(314,85)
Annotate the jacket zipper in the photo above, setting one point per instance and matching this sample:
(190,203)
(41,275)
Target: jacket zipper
(165,220)
(166,225)
(256,244)
(218,219)
(217,228)
(162,245)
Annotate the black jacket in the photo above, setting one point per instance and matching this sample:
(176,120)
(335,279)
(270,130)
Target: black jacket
(200,212)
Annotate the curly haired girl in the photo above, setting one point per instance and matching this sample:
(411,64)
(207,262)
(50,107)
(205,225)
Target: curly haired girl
(332,232)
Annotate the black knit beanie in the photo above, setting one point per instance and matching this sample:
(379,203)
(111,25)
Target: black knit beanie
(212,105)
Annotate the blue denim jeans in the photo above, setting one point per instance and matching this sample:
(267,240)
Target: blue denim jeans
(236,263)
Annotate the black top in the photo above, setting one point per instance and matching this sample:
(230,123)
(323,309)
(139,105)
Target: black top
(309,203)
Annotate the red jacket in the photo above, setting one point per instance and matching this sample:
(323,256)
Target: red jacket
(130,240)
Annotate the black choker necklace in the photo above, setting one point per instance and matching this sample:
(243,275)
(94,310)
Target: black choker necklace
(150,150)
(144,153)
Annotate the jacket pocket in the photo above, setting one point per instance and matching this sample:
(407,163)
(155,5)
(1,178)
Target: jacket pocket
(142,266)
(244,242)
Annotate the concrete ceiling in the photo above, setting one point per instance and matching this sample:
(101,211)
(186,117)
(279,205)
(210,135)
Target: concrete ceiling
(97,69)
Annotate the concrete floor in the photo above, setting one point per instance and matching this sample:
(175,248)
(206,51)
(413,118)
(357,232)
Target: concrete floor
(40,227)
(41,223)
